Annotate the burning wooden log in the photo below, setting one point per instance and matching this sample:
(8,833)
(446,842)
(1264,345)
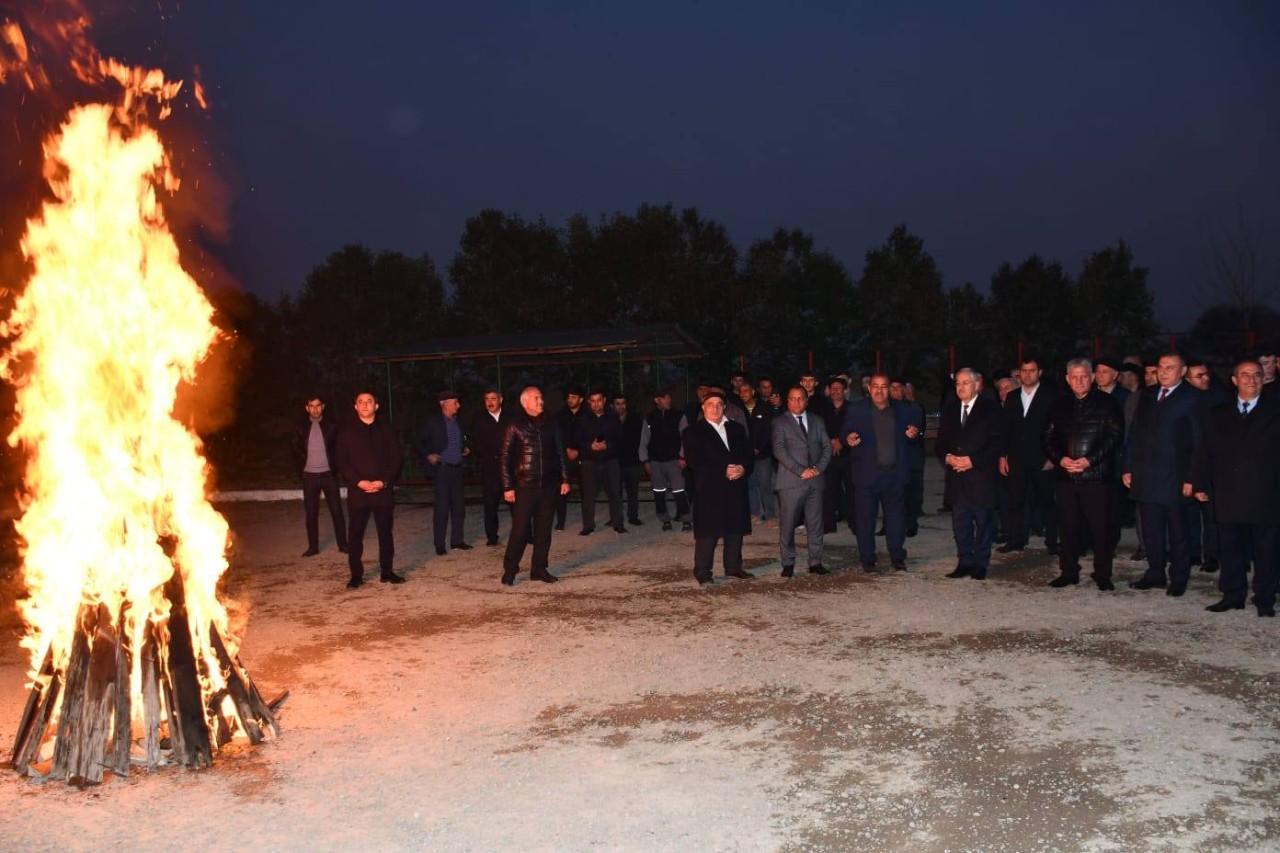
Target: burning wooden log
(95,724)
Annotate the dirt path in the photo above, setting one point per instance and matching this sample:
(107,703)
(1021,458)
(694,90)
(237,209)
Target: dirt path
(626,709)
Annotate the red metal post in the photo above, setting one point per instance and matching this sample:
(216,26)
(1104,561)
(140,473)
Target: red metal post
(951,359)
(1019,352)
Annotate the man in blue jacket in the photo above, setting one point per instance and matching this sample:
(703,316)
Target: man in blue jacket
(878,431)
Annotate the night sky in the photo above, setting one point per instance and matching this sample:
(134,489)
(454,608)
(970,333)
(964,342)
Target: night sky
(993,130)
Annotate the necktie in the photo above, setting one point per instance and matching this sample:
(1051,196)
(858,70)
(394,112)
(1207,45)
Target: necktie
(964,414)
(1164,392)
(1244,408)
(803,428)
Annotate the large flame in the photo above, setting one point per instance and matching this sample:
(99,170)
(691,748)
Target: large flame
(107,328)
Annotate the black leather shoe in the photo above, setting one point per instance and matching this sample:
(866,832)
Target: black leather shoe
(979,573)
(912,531)
(685,527)
(390,577)
(508,579)
(1176,590)
(491,541)
(1009,548)
(461,546)
(1104,584)
(788,571)
(440,552)
(1139,555)
(559,527)
(706,583)
(635,521)
(342,549)
(586,531)
(1001,540)
(819,569)
(741,574)
(960,572)
(1224,605)
(1053,550)
(310,552)
(879,532)
(869,568)
(619,529)
(1063,581)
(1194,561)
(666,525)
(1269,612)
(899,565)
(545,577)
(1143,583)
(355,583)
(1210,565)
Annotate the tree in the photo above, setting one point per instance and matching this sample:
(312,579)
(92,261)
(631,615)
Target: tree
(1234,274)
(1223,333)
(899,303)
(510,276)
(967,327)
(794,300)
(1032,303)
(1112,301)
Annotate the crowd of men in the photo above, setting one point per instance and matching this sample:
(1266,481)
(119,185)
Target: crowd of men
(1192,463)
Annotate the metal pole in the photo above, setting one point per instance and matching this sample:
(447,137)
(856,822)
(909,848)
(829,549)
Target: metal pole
(499,374)
(622,385)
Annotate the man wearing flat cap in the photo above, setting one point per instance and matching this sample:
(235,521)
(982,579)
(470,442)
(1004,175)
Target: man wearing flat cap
(442,444)
(719,454)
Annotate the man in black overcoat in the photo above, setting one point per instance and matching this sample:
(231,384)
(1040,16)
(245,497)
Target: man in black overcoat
(718,451)
(970,439)
(1024,463)
(1238,467)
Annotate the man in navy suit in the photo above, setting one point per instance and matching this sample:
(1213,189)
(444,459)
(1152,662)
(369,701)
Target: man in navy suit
(443,445)
(970,439)
(878,431)
(1238,467)
(1024,463)
(1157,471)
(803,450)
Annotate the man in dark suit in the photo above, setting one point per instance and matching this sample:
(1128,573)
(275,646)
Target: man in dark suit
(803,450)
(598,438)
(368,457)
(837,495)
(1157,471)
(442,444)
(878,431)
(487,435)
(1238,467)
(719,455)
(629,456)
(970,439)
(1024,464)
(914,496)
(313,454)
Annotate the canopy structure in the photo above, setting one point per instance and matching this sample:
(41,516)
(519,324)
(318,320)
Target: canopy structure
(620,345)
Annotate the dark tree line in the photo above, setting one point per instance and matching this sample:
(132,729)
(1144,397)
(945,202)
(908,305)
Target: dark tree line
(774,306)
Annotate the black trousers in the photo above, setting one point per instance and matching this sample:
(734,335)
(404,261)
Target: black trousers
(594,474)
(491,495)
(631,489)
(383,515)
(534,506)
(1235,540)
(704,554)
(1022,479)
(913,497)
(448,509)
(1085,510)
(1159,521)
(314,485)
(562,501)
(837,494)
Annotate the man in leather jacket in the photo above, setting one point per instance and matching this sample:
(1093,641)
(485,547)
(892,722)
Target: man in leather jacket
(533,475)
(1082,437)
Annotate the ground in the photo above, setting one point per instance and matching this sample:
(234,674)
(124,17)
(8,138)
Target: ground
(627,709)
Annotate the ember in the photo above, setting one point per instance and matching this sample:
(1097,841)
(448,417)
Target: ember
(134,659)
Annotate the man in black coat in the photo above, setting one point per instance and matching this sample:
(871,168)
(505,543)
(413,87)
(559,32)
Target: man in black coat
(566,421)
(598,439)
(719,455)
(486,433)
(533,478)
(443,445)
(1083,435)
(312,445)
(1028,470)
(1238,467)
(369,458)
(1157,471)
(970,438)
(629,456)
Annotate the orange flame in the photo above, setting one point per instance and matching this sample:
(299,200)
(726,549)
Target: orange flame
(108,326)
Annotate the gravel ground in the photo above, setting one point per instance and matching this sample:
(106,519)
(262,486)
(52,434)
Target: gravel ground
(627,709)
